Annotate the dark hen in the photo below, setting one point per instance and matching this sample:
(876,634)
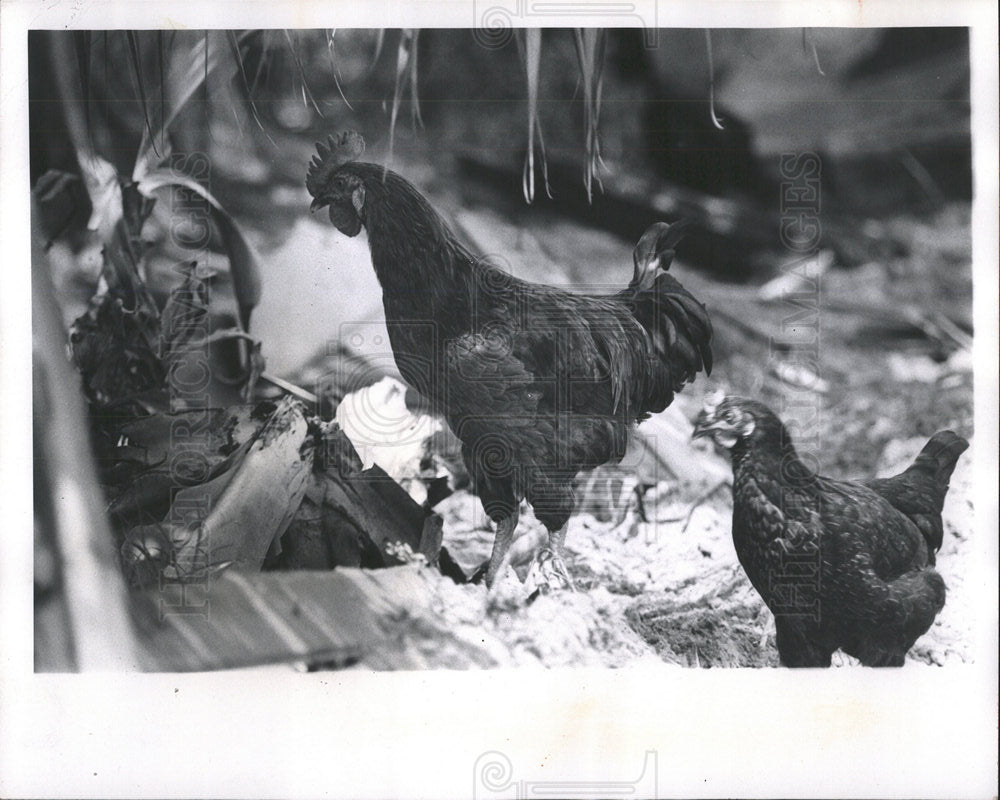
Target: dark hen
(842,565)
(537,383)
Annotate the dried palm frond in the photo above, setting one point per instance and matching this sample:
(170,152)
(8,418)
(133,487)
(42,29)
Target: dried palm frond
(531,49)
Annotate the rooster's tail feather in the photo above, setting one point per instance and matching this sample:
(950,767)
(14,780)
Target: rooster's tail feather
(681,335)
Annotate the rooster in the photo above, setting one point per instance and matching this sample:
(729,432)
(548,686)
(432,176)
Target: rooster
(537,383)
(842,565)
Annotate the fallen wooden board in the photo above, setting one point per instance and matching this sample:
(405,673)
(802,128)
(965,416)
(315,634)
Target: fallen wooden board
(406,617)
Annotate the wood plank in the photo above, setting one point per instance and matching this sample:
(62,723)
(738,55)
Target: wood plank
(385,619)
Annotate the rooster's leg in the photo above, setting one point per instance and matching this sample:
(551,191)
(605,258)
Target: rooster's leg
(551,566)
(501,544)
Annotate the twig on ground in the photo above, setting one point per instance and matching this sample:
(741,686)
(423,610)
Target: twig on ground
(291,388)
(686,517)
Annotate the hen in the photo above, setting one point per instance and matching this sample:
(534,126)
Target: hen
(842,565)
(536,382)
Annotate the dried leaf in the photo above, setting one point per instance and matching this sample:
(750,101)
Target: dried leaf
(711,80)
(234,46)
(406,76)
(590,47)
(232,519)
(532,62)
(149,458)
(307,95)
(333,67)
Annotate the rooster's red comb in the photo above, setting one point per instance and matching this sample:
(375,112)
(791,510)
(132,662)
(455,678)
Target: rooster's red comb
(338,150)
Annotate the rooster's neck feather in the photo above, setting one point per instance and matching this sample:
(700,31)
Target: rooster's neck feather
(410,242)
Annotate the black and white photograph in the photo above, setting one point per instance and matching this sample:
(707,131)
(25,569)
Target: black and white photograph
(507,353)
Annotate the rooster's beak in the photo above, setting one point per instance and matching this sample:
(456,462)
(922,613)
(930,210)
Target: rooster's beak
(317,204)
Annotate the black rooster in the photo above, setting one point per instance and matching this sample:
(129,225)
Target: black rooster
(536,382)
(842,565)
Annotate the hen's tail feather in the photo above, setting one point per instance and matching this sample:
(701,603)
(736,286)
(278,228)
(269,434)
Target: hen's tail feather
(919,491)
(938,458)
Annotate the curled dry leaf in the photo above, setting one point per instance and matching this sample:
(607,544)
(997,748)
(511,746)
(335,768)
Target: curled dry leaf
(151,457)
(234,518)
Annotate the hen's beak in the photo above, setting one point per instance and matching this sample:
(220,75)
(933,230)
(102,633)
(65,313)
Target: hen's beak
(317,204)
(705,425)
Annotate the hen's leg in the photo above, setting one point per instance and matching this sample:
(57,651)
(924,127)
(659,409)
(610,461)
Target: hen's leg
(501,544)
(550,563)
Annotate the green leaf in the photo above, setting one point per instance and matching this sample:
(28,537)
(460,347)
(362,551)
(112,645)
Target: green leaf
(101,181)
(191,58)
(82,41)
(132,38)
(244,262)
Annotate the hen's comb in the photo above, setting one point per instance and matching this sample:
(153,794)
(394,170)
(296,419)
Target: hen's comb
(338,150)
